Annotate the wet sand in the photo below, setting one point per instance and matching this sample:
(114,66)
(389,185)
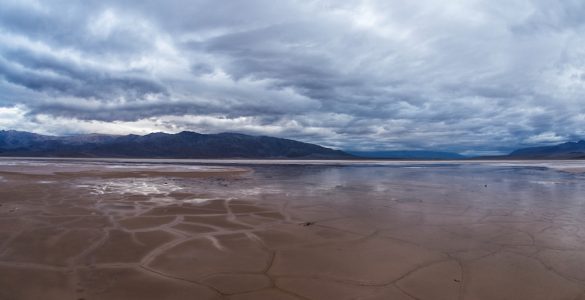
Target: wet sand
(114,230)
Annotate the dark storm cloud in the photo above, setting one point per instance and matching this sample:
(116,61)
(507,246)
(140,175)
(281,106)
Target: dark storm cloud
(464,75)
(47,74)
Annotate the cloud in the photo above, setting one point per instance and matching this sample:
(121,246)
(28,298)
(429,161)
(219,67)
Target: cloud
(470,76)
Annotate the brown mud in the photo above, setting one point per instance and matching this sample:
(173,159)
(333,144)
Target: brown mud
(94,232)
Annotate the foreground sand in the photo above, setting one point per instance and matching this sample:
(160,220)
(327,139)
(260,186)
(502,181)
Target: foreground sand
(106,231)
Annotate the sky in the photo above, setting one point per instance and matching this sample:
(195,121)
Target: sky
(471,76)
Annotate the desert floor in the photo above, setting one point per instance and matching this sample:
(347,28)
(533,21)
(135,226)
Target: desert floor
(114,230)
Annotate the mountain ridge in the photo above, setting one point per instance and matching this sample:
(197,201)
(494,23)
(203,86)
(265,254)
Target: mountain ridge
(568,150)
(407,154)
(185,144)
(189,144)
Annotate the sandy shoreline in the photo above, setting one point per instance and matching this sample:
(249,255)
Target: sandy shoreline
(77,231)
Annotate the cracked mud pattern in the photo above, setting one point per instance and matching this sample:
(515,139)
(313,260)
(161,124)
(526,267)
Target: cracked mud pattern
(108,230)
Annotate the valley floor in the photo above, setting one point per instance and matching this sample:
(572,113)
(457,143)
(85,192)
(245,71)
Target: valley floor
(111,229)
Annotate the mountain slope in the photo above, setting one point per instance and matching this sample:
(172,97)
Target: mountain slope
(161,145)
(406,154)
(570,150)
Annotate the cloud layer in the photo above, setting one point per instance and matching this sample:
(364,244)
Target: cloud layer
(478,76)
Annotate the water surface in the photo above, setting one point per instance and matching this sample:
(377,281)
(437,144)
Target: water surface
(241,229)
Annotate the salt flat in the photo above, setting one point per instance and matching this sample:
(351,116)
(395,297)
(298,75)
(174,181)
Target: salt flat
(241,229)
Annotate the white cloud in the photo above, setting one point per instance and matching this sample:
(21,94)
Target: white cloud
(545,138)
(482,75)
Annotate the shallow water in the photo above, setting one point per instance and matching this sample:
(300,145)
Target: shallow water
(171,229)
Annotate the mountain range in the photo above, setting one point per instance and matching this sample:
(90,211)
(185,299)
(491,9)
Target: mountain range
(569,150)
(407,154)
(189,144)
(185,144)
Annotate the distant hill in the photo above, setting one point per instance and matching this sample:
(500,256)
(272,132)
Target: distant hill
(570,150)
(185,144)
(407,154)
